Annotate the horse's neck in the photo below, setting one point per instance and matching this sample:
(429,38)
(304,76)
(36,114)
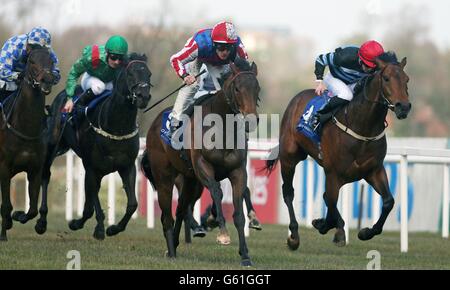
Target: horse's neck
(28,112)
(367,117)
(118,116)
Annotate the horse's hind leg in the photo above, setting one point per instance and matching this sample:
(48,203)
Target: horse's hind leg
(378,180)
(288,163)
(6,208)
(129,180)
(333,218)
(90,184)
(253,220)
(41,224)
(93,184)
(205,173)
(34,179)
(185,199)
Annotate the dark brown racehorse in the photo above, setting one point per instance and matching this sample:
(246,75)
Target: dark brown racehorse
(346,156)
(162,164)
(21,135)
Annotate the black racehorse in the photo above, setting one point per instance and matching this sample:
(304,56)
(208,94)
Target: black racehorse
(22,126)
(353,146)
(106,140)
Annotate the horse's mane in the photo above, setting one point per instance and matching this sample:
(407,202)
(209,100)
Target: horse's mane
(242,65)
(389,57)
(136,56)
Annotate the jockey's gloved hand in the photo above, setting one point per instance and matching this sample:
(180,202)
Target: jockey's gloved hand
(20,77)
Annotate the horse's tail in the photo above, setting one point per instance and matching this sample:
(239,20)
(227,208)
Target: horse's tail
(272,160)
(145,166)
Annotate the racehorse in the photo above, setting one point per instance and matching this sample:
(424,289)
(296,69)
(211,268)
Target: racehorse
(352,147)
(21,135)
(106,140)
(162,164)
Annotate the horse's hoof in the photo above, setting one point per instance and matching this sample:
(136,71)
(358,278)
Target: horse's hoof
(40,227)
(74,225)
(113,230)
(365,234)
(199,232)
(168,256)
(321,226)
(211,222)
(99,235)
(292,243)
(20,216)
(223,239)
(246,263)
(339,238)
(254,224)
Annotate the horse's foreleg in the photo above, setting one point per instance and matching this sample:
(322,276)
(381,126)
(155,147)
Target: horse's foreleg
(88,209)
(34,180)
(238,179)
(6,208)
(92,186)
(378,180)
(129,180)
(41,224)
(205,173)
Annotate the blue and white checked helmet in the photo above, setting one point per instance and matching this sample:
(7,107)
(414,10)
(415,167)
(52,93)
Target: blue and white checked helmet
(39,35)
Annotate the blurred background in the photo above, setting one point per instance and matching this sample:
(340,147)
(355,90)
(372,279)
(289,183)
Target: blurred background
(283,37)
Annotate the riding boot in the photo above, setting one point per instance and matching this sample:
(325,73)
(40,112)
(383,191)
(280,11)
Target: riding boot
(86,98)
(324,114)
(81,104)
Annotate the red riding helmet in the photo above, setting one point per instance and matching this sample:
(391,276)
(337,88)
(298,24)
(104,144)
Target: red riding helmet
(368,51)
(224,32)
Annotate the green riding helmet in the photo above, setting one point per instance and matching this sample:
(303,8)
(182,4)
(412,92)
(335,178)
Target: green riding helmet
(116,44)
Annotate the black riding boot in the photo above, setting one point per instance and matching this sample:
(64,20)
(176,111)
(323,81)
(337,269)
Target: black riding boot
(86,97)
(324,114)
(82,102)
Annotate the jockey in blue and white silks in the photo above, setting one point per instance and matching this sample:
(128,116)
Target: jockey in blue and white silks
(14,55)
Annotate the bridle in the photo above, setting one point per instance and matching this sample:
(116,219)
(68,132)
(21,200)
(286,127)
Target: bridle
(132,88)
(230,97)
(386,102)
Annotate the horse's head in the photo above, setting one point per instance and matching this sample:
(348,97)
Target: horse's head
(242,89)
(137,76)
(394,84)
(38,72)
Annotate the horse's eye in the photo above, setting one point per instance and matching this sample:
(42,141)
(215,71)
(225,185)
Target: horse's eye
(236,90)
(386,79)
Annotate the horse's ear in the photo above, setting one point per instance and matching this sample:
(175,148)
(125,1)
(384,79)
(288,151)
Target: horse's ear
(380,64)
(403,63)
(234,68)
(254,69)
